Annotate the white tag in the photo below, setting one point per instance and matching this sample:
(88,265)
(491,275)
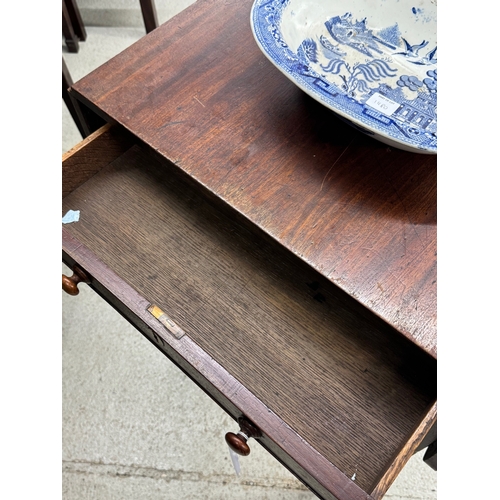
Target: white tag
(235,460)
(382,104)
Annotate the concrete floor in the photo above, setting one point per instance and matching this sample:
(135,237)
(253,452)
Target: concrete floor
(134,426)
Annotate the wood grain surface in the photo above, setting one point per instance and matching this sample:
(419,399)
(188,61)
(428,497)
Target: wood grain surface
(405,453)
(288,447)
(96,151)
(338,375)
(200,92)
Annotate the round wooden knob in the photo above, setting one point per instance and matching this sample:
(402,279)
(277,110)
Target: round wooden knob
(238,443)
(70,284)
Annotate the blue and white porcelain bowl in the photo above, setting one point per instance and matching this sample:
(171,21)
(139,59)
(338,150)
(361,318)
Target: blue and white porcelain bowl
(373,62)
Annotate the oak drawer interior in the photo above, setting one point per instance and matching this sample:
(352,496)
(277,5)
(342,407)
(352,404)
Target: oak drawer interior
(346,382)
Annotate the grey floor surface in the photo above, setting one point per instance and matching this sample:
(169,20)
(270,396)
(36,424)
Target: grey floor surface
(134,426)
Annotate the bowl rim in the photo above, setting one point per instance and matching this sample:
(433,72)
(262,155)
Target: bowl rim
(371,129)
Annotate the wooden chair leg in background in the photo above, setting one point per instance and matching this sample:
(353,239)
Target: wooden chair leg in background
(149,15)
(74,29)
(69,34)
(76,19)
(73,32)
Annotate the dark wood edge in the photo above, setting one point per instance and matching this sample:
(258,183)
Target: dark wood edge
(90,105)
(94,117)
(317,473)
(406,452)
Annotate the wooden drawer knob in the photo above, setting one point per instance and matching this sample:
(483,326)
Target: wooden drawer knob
(70,284)
(238,442)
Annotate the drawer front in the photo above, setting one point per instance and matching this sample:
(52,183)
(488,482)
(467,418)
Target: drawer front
(300,347)
(224,389)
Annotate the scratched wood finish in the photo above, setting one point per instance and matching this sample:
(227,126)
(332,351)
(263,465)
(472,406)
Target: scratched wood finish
(199,91)
(343,379)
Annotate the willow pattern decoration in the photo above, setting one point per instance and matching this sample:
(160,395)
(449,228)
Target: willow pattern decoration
(380,79)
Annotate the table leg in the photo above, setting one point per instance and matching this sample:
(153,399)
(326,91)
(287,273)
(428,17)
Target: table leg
(72,105)
(431,455)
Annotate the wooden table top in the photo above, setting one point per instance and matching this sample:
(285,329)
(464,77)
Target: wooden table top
(200,92)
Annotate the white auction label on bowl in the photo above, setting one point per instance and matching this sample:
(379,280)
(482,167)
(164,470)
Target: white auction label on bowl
(382,104)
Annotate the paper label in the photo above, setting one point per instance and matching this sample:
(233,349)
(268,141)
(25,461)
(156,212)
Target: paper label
(382,104)
(71,216)
(175,330)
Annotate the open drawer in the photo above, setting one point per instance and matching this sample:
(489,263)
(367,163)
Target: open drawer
(337,395)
